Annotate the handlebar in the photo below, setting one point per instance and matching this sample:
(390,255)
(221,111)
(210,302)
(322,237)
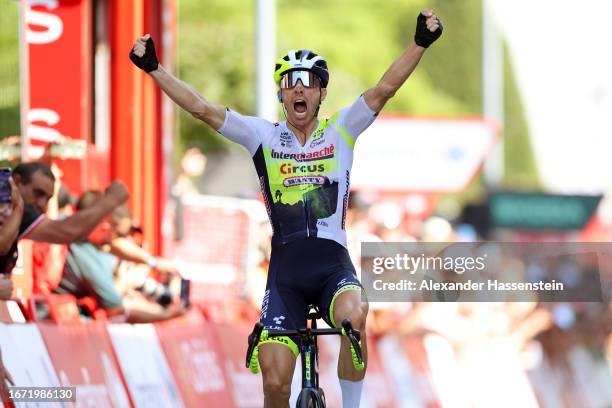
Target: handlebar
(258,334)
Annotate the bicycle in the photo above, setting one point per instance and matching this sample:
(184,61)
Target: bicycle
(312,395)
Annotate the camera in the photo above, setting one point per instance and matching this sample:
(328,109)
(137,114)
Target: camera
(156,291)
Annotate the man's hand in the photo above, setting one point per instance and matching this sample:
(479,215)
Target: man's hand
(143,54)
(6,287)
(428,29)
(166,267)
(117,193)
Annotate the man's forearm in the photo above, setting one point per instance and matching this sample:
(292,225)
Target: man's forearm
(128,251)
(394,77)
(401,69)
(73,228)
(181,93)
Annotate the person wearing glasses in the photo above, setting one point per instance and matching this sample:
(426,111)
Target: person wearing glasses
(304,166)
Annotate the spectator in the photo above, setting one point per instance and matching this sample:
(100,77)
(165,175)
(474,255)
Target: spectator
(123,247)
(35,183)
(90,272)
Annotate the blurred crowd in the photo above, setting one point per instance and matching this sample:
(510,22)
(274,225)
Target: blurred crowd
(526,353)
(89,249)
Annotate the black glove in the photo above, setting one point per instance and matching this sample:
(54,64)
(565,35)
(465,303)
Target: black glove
(422,36)
(148,62)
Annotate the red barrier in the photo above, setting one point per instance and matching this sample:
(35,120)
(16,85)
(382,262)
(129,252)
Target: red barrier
(246,387)
(194,355)
(84,358)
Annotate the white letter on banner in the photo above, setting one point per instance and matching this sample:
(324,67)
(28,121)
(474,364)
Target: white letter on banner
(42,133)
(53,23)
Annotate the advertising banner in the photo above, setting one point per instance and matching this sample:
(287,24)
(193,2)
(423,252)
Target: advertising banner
(144,365)
(25,357)
(57,77)
(83,358)
(194,355)
(246,387)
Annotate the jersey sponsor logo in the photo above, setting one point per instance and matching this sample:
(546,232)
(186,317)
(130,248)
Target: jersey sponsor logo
(300,180)
(317,142)
(285,138)
(289,168)
(325,153)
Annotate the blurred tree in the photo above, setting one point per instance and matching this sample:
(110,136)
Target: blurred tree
(9,68)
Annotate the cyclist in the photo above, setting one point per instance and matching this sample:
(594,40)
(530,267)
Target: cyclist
(303,165)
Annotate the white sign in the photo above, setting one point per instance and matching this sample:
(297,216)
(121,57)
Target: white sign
(424,155)
(25,356)
(145,368)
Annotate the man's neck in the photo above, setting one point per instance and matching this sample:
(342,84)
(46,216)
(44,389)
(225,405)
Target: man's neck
(302,133)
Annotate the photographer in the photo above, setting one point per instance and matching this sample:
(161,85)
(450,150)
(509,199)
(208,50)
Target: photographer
(89,272)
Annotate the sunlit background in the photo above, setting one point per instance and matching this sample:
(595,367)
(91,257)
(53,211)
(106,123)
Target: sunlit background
(502,133)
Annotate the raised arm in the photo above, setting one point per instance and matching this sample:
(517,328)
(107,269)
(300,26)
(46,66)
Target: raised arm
(428,30)
(82,222)
(144,57)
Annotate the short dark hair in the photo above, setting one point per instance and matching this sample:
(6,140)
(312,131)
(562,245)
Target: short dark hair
(88,199)
(121,212)
(27,170)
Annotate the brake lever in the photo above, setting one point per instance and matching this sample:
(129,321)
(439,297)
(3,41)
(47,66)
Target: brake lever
(253,340)
(354,337)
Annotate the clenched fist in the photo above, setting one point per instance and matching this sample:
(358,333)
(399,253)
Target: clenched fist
(143,54)
(117,192)
(428,29)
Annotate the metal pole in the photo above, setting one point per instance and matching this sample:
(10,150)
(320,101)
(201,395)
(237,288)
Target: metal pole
(493,90)
(267,103)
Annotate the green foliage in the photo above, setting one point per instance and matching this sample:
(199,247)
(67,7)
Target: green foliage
(9,68)
(360,39)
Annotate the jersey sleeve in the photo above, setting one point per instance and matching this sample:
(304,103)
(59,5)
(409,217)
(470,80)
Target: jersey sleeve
(31,219)
(244,130)
(354,119)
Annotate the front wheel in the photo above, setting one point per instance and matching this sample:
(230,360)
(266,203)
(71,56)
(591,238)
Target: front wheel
(310,398)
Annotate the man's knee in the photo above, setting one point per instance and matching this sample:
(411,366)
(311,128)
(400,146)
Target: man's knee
(350,305)
(277,364)
(277,386)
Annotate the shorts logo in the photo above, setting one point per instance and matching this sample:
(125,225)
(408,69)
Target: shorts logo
(342,282)
(264,305)
(278,320)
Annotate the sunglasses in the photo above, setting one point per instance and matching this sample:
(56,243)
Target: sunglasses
(289,80)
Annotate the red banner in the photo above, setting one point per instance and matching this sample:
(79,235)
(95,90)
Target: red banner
(57,78)
(194,355)
(83,357)
(247,388)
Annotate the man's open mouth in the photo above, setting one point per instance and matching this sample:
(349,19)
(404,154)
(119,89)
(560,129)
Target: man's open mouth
(300,106)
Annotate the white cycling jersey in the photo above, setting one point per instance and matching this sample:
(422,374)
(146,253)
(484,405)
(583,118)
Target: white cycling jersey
(305,188)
